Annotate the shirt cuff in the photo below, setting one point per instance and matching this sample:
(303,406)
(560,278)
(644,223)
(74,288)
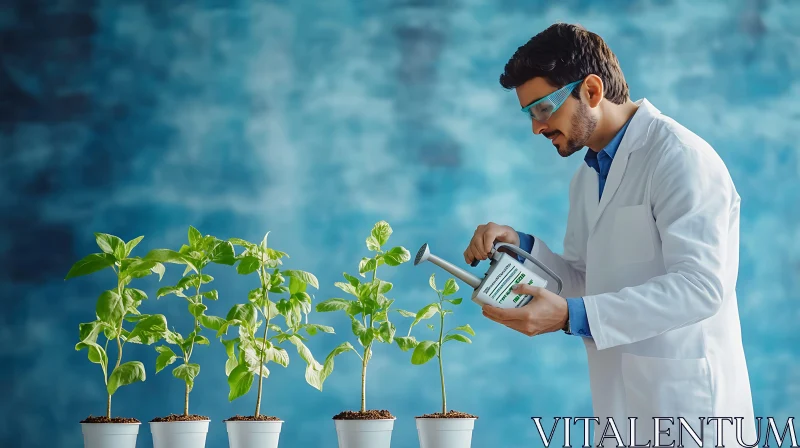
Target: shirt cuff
(578,321)
(526,244)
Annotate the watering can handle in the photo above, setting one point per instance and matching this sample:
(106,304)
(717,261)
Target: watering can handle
(522,253)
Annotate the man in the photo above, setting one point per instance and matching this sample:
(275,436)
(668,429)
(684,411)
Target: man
(651,249)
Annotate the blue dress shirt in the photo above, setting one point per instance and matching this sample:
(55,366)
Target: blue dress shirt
(601,162)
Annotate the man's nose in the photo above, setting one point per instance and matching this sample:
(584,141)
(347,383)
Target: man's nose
(537,126)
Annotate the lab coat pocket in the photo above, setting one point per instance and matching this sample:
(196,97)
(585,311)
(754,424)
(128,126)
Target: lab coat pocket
(661,387)
(632,237)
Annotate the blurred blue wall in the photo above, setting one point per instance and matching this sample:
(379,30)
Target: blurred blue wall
(313,120)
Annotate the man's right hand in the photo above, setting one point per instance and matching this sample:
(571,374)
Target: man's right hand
(486,235)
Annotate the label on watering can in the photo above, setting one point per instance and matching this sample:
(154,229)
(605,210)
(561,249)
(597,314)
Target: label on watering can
(506,273)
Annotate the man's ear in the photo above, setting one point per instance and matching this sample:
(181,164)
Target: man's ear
(592,90)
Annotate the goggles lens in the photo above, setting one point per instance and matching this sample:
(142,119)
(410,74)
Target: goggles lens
(544,108)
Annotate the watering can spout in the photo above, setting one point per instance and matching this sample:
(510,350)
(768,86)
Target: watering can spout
(424,254)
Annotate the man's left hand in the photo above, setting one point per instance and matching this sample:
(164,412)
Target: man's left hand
(545,313)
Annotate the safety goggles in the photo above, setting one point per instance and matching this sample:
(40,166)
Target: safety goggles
(542,109)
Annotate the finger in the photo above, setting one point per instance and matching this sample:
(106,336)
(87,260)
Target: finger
(512,324)
(476,254)
(520,288)
(477,242)
(488,241)
(502,313)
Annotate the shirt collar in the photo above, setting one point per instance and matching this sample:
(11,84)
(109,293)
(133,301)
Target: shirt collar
(610,149)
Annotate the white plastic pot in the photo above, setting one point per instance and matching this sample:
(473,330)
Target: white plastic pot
(110,435)
(445,432)
(253,434)
(190,434)
(365,433)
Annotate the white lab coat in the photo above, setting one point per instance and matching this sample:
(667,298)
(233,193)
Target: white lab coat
(656,262)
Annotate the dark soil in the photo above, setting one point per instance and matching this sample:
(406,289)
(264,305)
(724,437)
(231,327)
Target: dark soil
(371,414)
(180,418)
(252,418)
(450,414)
(105,419)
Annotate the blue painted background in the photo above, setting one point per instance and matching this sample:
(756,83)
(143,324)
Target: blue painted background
(313,120)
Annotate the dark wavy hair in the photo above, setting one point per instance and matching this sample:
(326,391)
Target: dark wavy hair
(564,53)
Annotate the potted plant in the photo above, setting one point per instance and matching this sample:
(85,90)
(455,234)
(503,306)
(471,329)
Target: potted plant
(115,307)
(446,429)
(188,430)
(254,347)
(369,314)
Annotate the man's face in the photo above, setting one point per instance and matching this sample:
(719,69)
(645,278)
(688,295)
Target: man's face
(569,128)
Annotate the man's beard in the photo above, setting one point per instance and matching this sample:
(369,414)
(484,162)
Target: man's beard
(583,125)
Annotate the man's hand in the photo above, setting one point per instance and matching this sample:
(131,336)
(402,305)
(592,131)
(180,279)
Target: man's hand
(486,235)
(545,313)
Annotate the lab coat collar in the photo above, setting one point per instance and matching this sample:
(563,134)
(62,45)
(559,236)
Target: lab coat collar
(635,138)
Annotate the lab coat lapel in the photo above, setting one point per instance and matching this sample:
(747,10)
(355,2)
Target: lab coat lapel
(634,138)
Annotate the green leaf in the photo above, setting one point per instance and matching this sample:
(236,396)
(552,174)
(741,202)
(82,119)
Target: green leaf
(466,329)
(457,337)
(131,244)
(424,352)
(110,308)
(350,279)
(213,323)
(239,380)
(276,355)
(125,374)
(177,290)
(432,282)
(373,244)
(430,326)
(90,264)
(149,330)
(158,268)
(111,244)
(165,256)
(405,313)
(89,331)
(367,338)
(386,332)
(358,327)
(450,287)
(367,265)
(333,305)
(223,253)
(187,372)
(96,353)
(165,357)
(381,232)
(454,301)
(195,237)
(197,309)
(248,264)
(347,287)
(426,313)
(313,367)
(243,312)
(383,287)
(327,367)
(131,299)
(396,256)
(173,337)
(312,329)
(211,295)
(304,276)
(406,343)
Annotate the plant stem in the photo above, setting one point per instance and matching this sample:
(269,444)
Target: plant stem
(120,291)
(264,346)
(191,346)
(441,369)
(364,379)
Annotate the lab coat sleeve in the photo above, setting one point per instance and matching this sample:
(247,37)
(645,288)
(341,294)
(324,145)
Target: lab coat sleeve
(692,199)
(571,265)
